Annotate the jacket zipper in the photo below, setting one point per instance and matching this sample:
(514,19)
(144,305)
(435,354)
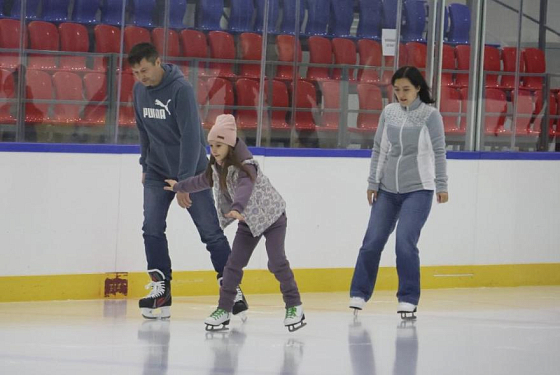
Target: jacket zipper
(401,152)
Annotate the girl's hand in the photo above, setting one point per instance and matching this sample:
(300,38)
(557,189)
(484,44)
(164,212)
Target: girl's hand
(371,196)
(171,183)
(235,215)
(442,197)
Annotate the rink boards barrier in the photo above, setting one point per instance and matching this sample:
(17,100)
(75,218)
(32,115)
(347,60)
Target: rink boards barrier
(72,215)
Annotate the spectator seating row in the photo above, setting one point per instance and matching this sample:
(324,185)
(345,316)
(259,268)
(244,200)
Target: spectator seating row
(324,17)
(453,106)
(219,95)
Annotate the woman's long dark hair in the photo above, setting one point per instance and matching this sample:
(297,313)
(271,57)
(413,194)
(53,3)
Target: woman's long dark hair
(417,79)
(229,160)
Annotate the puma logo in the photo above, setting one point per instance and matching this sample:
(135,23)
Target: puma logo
(166,106)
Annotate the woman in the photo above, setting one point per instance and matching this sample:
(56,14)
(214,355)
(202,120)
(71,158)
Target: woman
(407,165)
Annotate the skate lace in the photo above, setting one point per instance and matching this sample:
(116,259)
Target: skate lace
(291,312)
(158,288)
(239,295)
(218,313)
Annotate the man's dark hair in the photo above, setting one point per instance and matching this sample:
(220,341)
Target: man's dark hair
(142,51)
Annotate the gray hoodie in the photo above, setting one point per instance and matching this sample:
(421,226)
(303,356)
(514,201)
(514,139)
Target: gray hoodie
(409,150)
(171,139)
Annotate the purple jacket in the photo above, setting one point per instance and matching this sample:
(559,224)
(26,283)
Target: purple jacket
(244,184)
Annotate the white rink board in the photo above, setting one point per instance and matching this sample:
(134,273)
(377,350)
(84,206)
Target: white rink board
(66,213)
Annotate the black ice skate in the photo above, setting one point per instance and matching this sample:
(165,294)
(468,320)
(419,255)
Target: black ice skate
(218,320)
(240,305)
(294,318)
(407,311)
(157,304)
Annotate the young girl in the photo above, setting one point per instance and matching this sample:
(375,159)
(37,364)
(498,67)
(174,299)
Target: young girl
(243,193)
(407,165)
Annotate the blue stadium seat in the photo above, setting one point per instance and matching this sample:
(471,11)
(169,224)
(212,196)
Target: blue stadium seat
(111,12)
(85,11)
(389,14)
(369,25)
(141,12)
(177,13)
(317,17)
(31,10)
(342,16)
(241,16)
(273,12)
(55,10)
(288,25)
(414,15)
(460,24)
(208,14)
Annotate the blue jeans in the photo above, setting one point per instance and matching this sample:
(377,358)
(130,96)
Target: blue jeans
(411,210)
(203,214)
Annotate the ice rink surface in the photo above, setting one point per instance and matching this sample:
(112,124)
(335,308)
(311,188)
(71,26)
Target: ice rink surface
(458,331)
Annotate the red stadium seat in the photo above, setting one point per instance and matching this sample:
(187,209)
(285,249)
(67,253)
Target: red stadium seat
(38,86)
(370,99)
(534,60)
(370,55)
(95,90)
(496,110)
(281,99)
(173,48)
(134,35)
(247,91)
(43,36)
(508,58)
(320,52)
(67,86)
(306,98)
(107,40)
(331,101)
(126,112)
(450,107)
(73,38)
(285,45)
(251,49)
(344,53)
(220,93)
(7,91)
(195,45)
(9,39)
(492,63)
(222,46)
(448,63)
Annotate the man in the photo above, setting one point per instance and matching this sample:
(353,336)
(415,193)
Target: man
(172,147)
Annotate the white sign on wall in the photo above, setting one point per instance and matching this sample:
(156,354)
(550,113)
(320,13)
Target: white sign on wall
(389,41)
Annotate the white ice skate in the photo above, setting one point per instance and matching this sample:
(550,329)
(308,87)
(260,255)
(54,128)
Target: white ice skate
(240,304)
(294,318)
(406,310)
(218,320)
(356,303)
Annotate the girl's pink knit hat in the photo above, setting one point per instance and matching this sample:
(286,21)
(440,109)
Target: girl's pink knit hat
(224,130)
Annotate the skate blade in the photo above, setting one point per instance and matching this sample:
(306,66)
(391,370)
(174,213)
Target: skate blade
(296,326)
(159,313)
(406,315)
(243,316)
(356,309)
(217,328)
